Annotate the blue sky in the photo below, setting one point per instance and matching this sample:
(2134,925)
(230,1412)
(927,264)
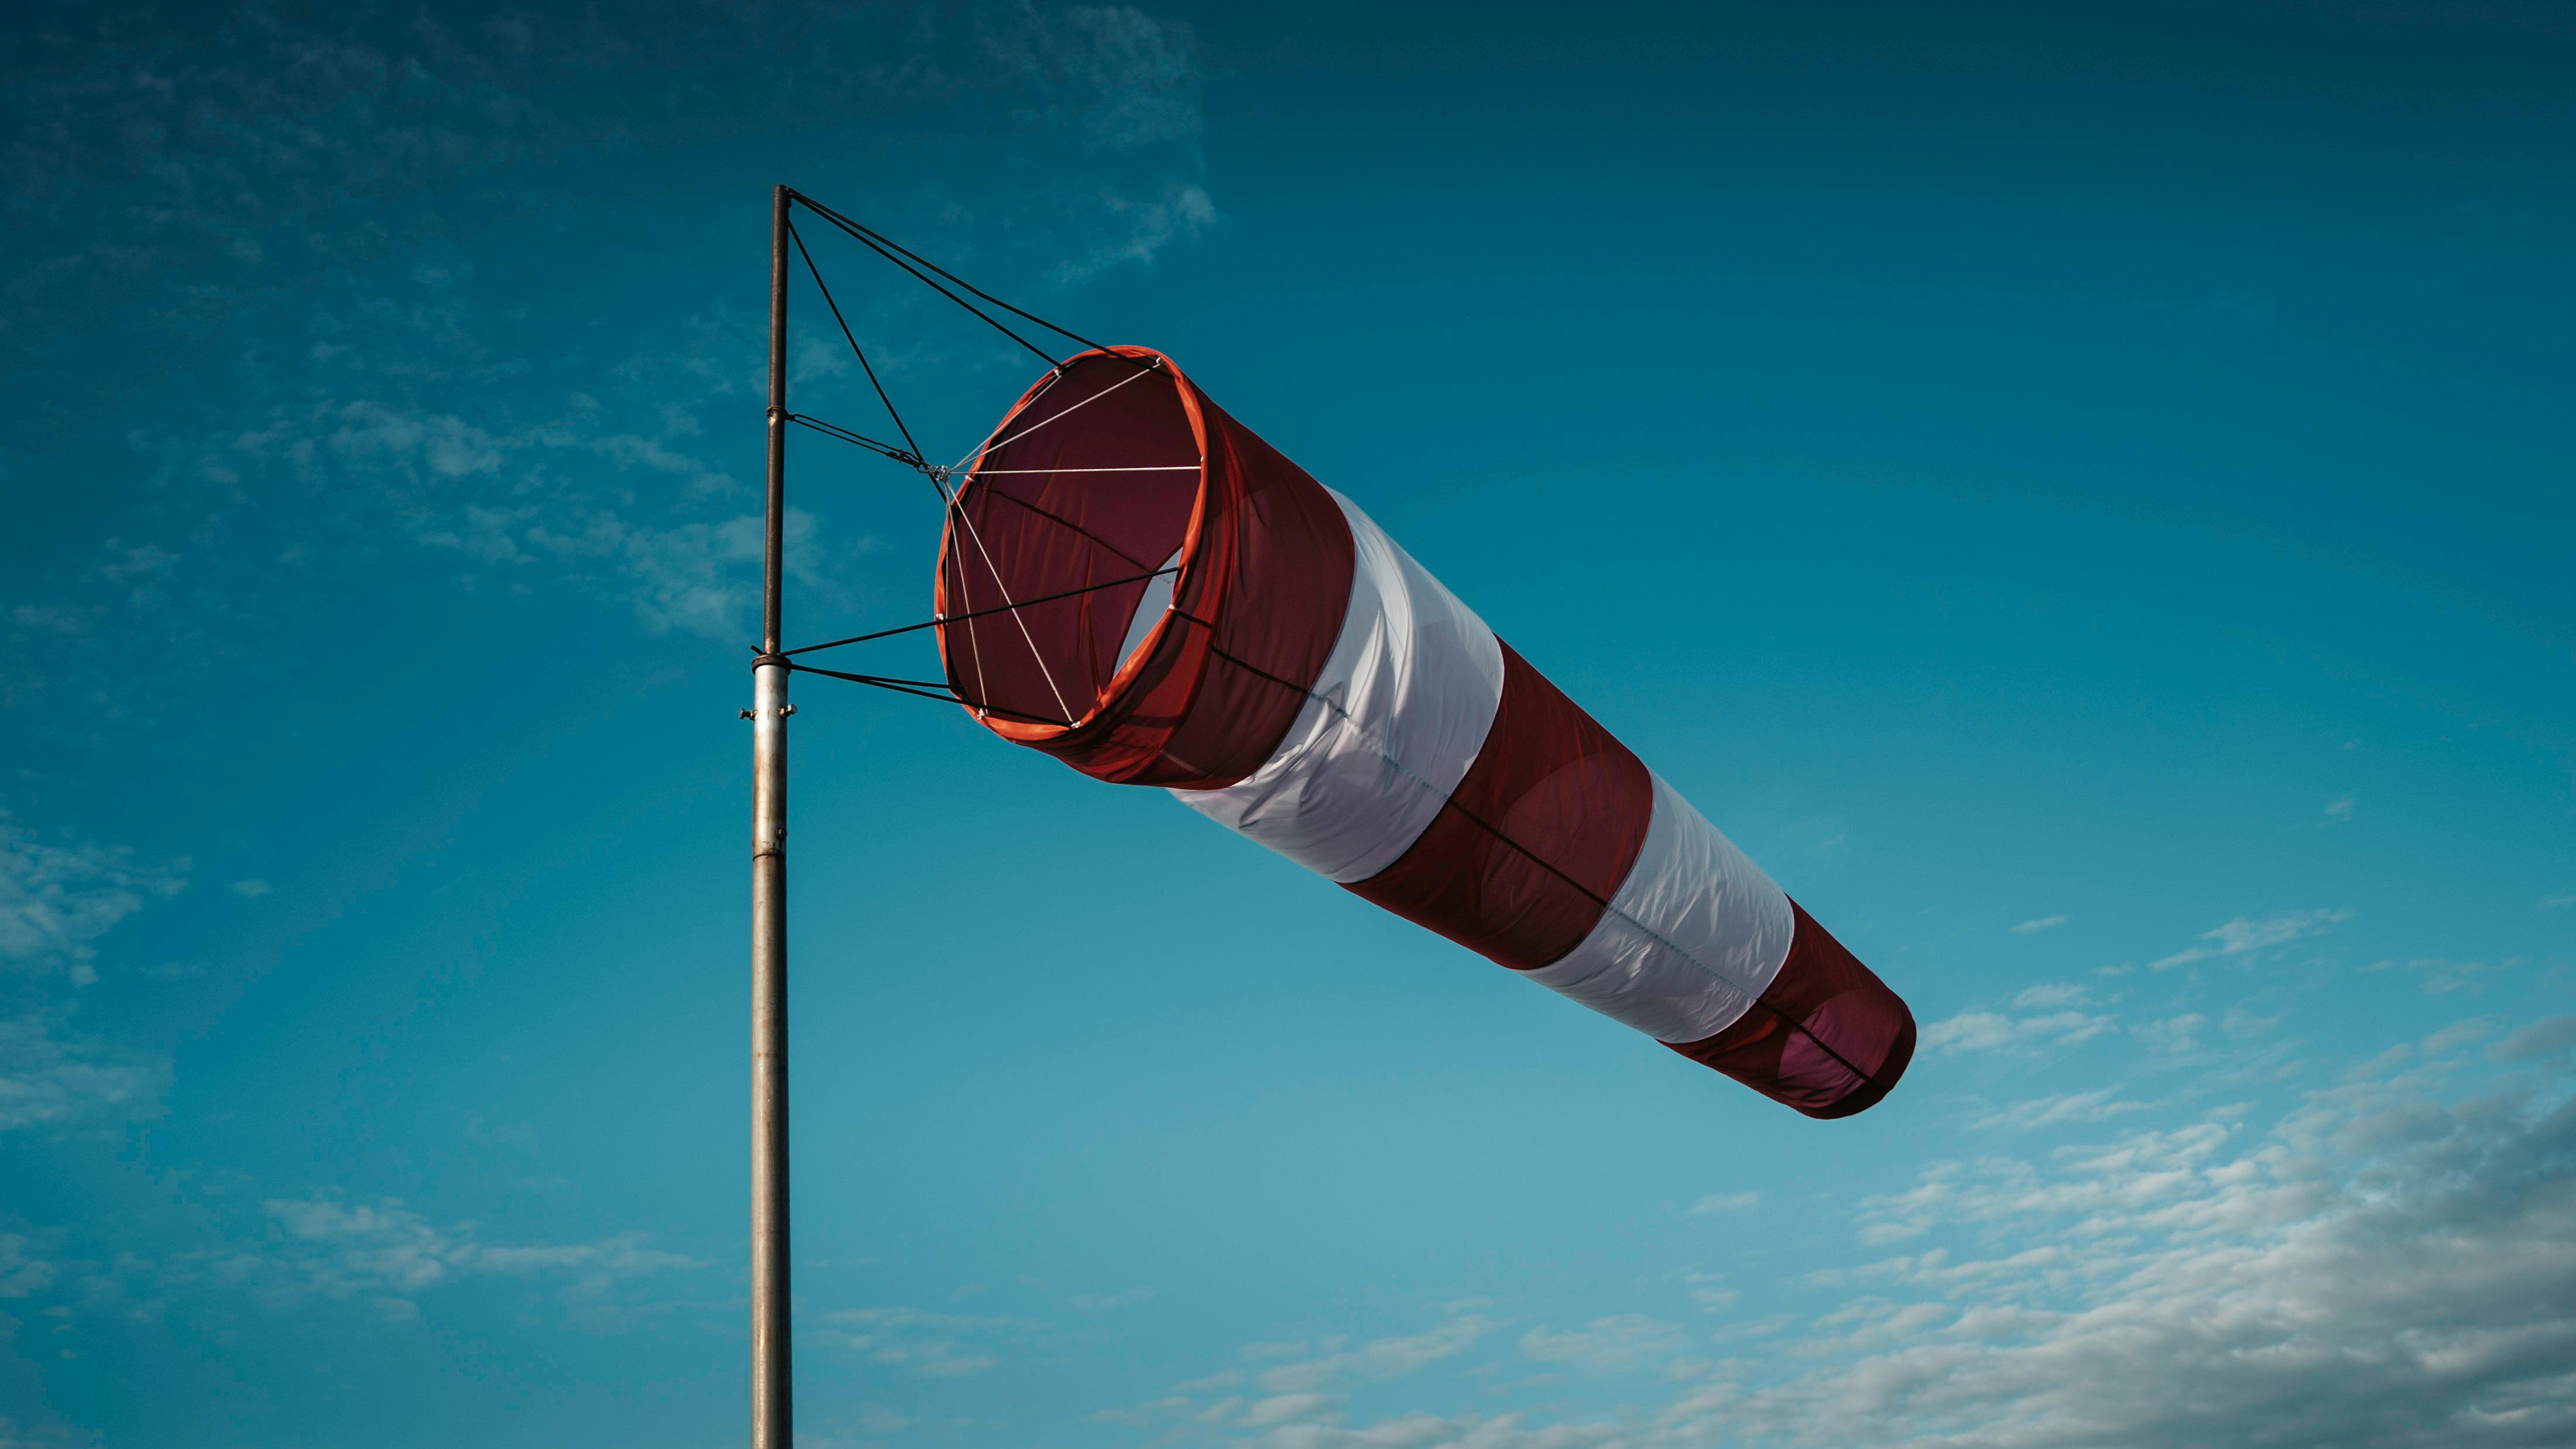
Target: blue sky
(2082,498)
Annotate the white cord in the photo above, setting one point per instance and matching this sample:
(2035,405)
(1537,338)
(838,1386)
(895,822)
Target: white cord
(990,445)
(1153,468)
(987,446)
(1007,602)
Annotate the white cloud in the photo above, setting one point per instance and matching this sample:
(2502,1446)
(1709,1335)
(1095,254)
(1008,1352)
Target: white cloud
(57,897)
(1152,225)
(1224,1379)
(2041,997)
(2174,1034)
(2543,1039)
(2291,1291)
(2241,1023)
(1379,1359)
(1301,1399)
(2038,924)
(21,1274)
(1726,1202)
(2062,1108)
(555,498)
(1979,1031)
(2440,976)
(2457,1034)
(2242,935)
(385,1256)
(50,618)
(2392,1264)
(1284,1409)
(1105,1302)
(934,1345)
(2339,809)
(52,1077)
(2551,903)
(249,890)
(1614,1344)
(1710,1292)
(122,564)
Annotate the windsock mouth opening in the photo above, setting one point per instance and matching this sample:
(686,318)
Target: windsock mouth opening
(1069,545)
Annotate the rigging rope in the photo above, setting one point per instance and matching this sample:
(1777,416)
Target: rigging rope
(989,445)
(950,500)
(911,454)
(976,614)
(865,239)
(1034,651)
(817,274)
(872,238)
(835,430)
(1143,468)
(921,689)
(1066,523)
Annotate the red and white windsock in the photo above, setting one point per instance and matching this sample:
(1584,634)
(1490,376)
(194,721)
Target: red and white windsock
(1133,582)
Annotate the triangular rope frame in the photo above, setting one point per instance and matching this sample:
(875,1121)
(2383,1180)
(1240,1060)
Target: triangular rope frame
(911,455)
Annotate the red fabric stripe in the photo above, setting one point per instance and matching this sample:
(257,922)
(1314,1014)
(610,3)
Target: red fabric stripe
(1276,612)
(1265,572)
(1556,785)
(1827,1038)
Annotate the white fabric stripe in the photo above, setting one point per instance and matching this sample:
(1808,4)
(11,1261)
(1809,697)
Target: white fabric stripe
(1150,607)
(1696,933)
(1402,704)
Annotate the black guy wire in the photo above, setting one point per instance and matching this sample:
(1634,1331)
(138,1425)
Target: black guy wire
(976,614)
(1532,856)
(893,679)
(859,234)
(817,274)
(906,686)
(1064,522)
(829,214)
(835,430)
(882,450)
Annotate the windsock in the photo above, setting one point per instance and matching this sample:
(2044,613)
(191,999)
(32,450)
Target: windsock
(1135,583)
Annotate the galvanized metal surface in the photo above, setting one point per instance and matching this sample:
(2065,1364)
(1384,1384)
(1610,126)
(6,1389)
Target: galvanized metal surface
(772,1412)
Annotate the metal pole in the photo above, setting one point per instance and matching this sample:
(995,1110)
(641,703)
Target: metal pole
(771,1376)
